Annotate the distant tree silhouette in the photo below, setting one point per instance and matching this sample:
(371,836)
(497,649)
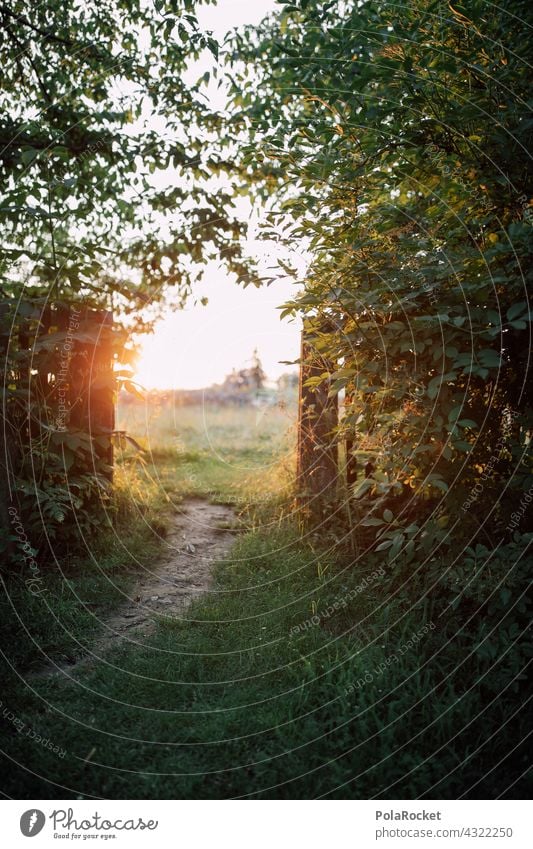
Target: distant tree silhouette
(246,380)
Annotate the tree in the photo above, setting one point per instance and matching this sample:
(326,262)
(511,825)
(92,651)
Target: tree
(95,109)
(400,148)
(246,380)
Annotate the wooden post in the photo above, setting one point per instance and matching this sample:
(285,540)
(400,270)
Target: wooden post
(351,460)
(317,462)
(6,442)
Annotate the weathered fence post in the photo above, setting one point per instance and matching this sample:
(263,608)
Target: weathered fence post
(6,446)
(101,407)
(91,385)
(317,460)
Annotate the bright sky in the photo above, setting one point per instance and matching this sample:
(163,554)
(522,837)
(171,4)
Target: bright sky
(200,345)
(233,13)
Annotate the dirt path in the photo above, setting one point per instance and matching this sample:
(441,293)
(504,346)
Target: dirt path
(201,534)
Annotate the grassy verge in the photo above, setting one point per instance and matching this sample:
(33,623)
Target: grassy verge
(265,692)
(58,621)
(203,452)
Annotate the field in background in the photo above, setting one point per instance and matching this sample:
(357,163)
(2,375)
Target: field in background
(304,672)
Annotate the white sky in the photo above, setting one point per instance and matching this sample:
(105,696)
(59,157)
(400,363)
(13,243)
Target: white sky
(198,346)
(233,13)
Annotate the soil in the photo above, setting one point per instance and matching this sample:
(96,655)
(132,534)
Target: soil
(201,534)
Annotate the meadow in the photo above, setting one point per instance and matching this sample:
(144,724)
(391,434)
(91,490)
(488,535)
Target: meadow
(304,673)
(364,639)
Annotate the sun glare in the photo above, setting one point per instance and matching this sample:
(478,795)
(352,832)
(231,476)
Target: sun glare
(200,345)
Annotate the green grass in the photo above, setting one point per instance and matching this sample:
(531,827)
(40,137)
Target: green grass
(240,702)
(63,618)
(288,680)
(238,455)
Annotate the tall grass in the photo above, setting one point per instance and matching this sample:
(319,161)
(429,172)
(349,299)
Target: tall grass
(305,672)
(262,693)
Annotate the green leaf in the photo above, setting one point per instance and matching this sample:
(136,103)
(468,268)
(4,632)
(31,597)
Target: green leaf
(362,487)
(461,445)
(436,383)
(490,358)
(28,155)
(439,483)
(130,387)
